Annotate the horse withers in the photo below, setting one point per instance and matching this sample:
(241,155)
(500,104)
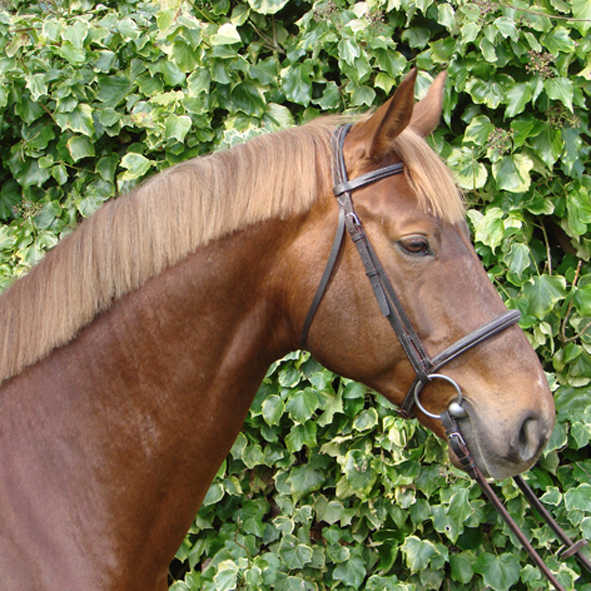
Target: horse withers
(130,355)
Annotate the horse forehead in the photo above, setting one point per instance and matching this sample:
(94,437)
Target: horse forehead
(393,202)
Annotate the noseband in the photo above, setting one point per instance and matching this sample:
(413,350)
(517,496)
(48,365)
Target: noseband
(426,367)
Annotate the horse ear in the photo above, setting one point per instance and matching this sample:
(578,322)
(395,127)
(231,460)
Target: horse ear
(427,112)
(373,137)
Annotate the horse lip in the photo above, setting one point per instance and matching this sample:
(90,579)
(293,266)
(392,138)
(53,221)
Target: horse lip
(471,440)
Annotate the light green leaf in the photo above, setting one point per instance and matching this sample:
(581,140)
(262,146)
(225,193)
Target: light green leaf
(348,50)
(489,228)
(359,471)
(498,572)
(519,95)
(418,553)
(507,28)
(560,89)
(478,130)
(76,33)
(543,293)
(578,498)
(267,6)
(37,84)
(518,260)
(351,572)
(488,92)
(80,147)
(302,405)
(461,565)
(297,84)
(512,173)
(79,120)
(273,408)
(227,34)
(304,479)
(582,12)
(177,127)
(294,554)
(226,579)
(366,420)
(137,165)
(470,173)
(214,495)
(445,13)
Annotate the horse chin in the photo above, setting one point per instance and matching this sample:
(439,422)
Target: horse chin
(493,462)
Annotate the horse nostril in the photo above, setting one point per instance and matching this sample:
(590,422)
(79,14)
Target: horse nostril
(531,439)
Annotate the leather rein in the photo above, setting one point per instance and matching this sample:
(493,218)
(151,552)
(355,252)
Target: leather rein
(425,367)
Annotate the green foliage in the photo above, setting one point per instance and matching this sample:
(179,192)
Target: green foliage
(325,488)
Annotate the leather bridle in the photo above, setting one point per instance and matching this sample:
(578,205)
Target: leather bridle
(425,367)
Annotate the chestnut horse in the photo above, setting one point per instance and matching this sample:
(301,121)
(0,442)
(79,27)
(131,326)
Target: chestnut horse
(130,355)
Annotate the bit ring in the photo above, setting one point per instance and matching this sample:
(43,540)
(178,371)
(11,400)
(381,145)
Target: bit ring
(455,408)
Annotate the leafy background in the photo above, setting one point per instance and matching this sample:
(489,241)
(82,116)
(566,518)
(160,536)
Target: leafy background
(325,488)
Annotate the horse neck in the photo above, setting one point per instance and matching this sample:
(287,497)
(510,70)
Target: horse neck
(144,405)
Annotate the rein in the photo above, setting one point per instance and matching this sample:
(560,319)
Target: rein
(425,367)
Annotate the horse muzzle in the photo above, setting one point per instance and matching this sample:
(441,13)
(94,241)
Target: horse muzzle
(506,448)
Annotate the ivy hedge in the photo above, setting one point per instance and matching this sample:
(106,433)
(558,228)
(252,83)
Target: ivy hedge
(326,488)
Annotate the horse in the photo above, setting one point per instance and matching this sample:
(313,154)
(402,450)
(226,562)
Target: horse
(130,354)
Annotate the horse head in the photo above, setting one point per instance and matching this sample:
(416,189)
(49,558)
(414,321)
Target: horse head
(415,225)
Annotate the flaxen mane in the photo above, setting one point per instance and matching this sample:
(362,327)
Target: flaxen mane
(136,236)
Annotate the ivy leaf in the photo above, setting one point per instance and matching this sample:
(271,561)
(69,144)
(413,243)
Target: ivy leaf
(297,83)
(578,498)
(79,120)
(478,131)
(512,173)
(518,261)
(470,173)
(351,572)
(227,576)
(227,34)
(248,98)
(418,553)
(359,471)
(366,420)
(267,6)
(548,144)
(543,293)
(302,405)
(518,95)
(177,126)
(461,565)
(582,12)
(487,92)
(303,480)
(349,50)
(80,147)
(137,165)
(37,84)
(294,554)
(489,228)
(76,33)
(273,408)
(560,89)
(498,572)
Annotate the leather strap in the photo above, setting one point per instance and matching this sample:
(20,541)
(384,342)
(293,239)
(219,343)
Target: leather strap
(570,548)
(470,340)
(332,259)
(460,449)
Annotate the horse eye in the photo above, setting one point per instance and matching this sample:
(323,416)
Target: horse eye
(415,245)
